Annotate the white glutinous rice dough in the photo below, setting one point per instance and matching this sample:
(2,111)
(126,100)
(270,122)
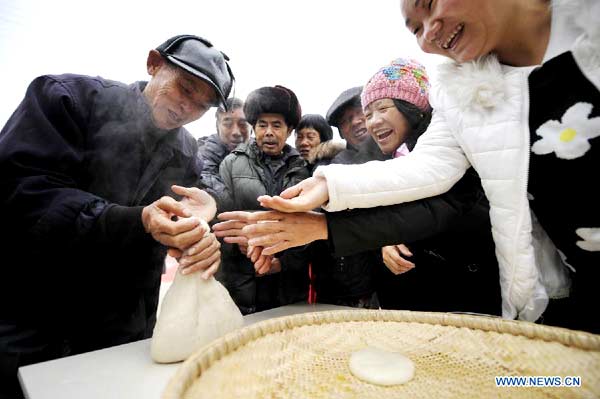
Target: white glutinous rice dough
(380,367)
(193,313)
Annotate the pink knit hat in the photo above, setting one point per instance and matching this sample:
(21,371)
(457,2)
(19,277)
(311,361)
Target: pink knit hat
(403,79)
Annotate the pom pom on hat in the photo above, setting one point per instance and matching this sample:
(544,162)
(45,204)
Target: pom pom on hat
(402,79)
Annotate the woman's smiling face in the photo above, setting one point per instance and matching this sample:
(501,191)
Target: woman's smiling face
(386,124)
(463,30)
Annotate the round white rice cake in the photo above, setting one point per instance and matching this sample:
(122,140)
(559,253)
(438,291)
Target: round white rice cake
(380,367)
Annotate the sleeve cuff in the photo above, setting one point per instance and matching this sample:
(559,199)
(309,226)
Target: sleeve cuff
(123,221)
(328,172)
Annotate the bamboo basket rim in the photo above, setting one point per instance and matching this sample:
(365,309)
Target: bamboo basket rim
(204,358)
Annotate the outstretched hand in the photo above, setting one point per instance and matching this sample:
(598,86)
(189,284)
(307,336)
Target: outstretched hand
(273,231)
(307,195)
(198,202)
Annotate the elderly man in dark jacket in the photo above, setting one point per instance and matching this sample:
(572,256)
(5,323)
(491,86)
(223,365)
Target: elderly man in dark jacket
(265,165)
(85,164)
(232,130)
(347,115)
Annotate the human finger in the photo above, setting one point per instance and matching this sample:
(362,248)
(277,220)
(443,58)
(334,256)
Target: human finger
(236,240)
(174,226)
(390,255)
(174,253)
(189,261)
(269,239)
(283,205)
(234,224)
(201,245)
(259,229)
(185,191)
(201,264)
(234,216)
(253,253)
(402,262)
(386,258)
(212,269)
(230,234)
(243,247)
(171,206)
(265,265)
(292,192)
(259,262)
(278,247)
(404,250)
(182,240)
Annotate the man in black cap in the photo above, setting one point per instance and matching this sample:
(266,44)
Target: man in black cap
(346,114)
(86,166)
(264,165)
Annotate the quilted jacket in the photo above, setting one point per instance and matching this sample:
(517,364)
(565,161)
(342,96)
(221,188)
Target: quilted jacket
(481,119)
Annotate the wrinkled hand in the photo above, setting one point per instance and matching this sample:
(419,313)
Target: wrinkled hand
(272,230)
(265,264)
(204,255)
(307,195)
(243,248)
(180,233)
(392,259)
(262,263)
(231,229)
(198,202)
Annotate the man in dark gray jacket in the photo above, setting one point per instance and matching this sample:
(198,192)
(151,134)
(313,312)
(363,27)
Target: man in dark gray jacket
(265,165)
(232,129)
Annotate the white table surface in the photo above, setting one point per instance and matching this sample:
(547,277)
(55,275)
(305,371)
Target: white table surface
(124,371)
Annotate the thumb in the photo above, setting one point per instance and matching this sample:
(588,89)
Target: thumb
(291,192)
(403,249)
(180,190)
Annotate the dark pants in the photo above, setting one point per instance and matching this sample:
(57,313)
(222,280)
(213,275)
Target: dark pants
(437,285)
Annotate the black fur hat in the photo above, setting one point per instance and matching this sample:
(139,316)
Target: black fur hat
(273,100)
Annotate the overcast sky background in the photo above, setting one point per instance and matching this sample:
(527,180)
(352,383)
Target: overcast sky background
(317,48)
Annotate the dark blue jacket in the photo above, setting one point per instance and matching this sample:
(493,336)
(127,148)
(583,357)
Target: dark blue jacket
(79,159)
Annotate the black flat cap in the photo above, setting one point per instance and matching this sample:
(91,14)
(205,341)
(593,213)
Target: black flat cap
(273,100)
(344,99)
(198,57)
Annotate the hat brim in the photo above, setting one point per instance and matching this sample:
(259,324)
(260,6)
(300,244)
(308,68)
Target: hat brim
(341,102)
(220,97)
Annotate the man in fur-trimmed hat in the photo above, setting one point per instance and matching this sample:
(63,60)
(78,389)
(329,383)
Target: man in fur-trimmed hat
(264,165)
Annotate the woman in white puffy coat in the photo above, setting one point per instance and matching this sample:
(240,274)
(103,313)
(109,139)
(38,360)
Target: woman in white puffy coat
(521,104)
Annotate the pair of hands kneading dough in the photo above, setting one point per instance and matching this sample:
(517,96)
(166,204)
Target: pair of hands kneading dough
(193,313)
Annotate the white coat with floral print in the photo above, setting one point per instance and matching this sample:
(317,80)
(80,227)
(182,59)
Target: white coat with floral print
(481,119)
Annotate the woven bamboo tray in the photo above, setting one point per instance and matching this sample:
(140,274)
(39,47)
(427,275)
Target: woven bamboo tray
(455,356)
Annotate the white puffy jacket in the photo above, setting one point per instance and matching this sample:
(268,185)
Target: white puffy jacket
(481,119)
